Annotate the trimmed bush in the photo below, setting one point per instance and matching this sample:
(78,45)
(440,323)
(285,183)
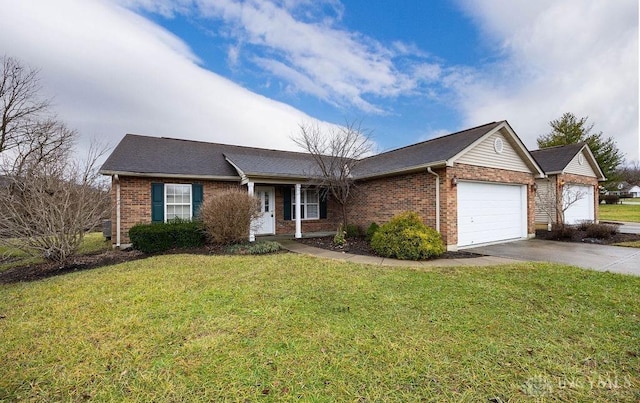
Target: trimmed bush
(373,228)
(611,199)
(601,231)
(253,248)
(560,232)
(228,216)
(159,237)
(352,231)
(406,237)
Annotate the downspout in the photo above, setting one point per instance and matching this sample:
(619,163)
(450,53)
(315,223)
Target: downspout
(437,197)
(117,181)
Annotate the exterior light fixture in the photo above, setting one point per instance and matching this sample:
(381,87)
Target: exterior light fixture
(454,180)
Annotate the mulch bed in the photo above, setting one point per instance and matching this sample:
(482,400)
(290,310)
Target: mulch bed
(358,246)
(581,237)
(86,262)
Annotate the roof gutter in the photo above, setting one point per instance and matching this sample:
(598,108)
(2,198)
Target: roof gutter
(116,179)
(168,175)
(416,168)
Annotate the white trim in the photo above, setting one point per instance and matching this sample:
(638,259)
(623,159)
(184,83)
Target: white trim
(178,204)
(306,192)
(252,231)
(161,175)
(298,212)
(118,202)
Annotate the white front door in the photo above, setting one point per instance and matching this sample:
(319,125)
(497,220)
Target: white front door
(267,221)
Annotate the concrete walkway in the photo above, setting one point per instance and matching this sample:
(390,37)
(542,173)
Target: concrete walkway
(301,248)
(595,257)
(625,227)
(615,259)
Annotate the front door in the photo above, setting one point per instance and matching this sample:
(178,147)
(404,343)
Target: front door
(267,220)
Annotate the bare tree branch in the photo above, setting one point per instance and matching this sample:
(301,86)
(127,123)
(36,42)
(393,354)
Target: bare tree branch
(336,152)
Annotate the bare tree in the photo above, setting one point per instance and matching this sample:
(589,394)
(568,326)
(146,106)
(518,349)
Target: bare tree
(555,204)
(20,102)
(336,152)
(48,199)
(47,210)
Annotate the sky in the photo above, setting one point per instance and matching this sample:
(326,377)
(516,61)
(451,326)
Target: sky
(250,72)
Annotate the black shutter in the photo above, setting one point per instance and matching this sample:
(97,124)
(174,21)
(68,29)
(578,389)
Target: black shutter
(286,193)
(196,199)
(157,202)
(323,204)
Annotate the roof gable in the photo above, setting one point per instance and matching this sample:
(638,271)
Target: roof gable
(566,159)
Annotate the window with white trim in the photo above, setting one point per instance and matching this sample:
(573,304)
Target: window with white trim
(309,204)
(177,201)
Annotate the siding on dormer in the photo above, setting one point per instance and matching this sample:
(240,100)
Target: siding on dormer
(585,169)
(485,155)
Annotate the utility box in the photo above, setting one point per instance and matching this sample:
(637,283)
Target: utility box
(106,229)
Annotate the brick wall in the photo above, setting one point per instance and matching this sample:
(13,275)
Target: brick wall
(378,200)
(135,200)
(135,205)
(321,225)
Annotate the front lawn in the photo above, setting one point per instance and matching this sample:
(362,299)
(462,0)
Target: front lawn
(619,212)
(290,327)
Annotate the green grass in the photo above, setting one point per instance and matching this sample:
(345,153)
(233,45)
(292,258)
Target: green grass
(619,212)
(289,327)
(92,243)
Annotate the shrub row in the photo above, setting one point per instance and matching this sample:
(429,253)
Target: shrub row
(158,237)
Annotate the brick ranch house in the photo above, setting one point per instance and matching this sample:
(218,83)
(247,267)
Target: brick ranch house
(475,186)
(573,172)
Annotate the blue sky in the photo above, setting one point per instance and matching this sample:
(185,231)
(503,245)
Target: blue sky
(249,72)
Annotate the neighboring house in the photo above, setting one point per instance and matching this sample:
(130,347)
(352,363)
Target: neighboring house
(573,172)
(625,189)
(475,186)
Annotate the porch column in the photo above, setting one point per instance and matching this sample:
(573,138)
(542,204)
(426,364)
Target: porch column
(298,219)
(252,231)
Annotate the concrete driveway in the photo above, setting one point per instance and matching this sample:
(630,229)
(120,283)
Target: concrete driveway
(615,259)
(627,227)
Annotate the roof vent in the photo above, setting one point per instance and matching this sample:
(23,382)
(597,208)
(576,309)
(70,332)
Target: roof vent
(498,145)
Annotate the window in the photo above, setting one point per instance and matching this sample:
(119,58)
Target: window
(309,204)
(177,201)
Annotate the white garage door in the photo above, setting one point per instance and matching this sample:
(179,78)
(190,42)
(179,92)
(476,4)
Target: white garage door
(490,212)
(580,200)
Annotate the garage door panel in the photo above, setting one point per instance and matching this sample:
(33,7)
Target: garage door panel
(489,212)
(582,209)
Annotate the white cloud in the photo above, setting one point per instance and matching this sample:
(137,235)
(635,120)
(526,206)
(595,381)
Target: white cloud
(303,47)
(114,72)
(559,56)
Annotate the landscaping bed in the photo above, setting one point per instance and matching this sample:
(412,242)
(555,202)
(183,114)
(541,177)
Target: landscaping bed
(359,246)
(580,236)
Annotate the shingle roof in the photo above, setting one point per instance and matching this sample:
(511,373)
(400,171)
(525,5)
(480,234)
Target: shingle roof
(556,159)
(153,155)
(144,155)
(273,163)
(427,152)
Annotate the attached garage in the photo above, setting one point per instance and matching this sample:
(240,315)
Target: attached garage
(582,204)
(491,212)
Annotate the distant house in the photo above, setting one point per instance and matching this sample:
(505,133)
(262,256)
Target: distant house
(475,186)
(572,172)
(625,189)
